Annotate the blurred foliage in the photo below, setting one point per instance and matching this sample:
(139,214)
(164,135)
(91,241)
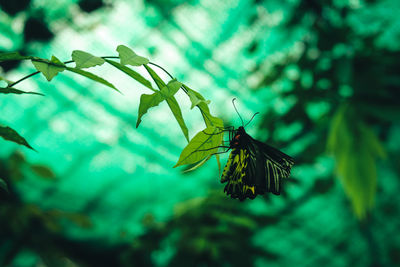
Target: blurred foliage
(202,232)
(356,149)
(28,226)
(335,64)
(37,22)
(205,232)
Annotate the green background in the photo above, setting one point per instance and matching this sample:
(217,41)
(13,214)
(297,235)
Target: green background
(324,76)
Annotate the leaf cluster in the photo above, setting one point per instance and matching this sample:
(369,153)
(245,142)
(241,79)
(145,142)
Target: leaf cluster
(200,148)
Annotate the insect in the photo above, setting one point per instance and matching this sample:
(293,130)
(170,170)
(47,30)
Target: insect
(253,168)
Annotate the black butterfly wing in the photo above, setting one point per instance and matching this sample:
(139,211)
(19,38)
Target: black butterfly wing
(255,168)
(238,174)
(272,166)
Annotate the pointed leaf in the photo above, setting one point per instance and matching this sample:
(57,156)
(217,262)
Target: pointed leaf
(12,56)
(86,60)
(176,110)
(11,135)
(171,88)
(197,99)
(128,57)
(48,68)
(147,102)
(203,144)
(160,83)
(356,150)
(172,103)
(136,76)
(11,90)
(93,77)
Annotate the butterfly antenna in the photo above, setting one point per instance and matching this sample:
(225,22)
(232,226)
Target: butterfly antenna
(233,102)
(251,118)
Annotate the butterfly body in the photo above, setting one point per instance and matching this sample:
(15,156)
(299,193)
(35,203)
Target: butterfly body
(253,168)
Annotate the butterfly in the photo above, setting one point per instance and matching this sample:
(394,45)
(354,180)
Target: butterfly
(253,168)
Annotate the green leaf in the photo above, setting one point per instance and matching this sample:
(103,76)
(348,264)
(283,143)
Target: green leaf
(147,102)
(12,56)
(86,60)
(171,88)
(215,121)
(136,76)
(43,171)
(128,57)
(48,68)
(11,135)
(203,144)
(176,110)
(93,77)
(160,83)
(198,100)
(356,150)
(3,185)
(11,90)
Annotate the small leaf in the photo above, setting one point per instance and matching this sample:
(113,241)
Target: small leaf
(3,185)
(128,57)
(160,83)
(12,56)
(136,76)
(11,135)
(171,88)
(176,110)
(11,90)
(48,68)
(43,171)
(86,60)
(92,77)
(196,99)
(203,144)
(147,102)
(356,150)
(172,103)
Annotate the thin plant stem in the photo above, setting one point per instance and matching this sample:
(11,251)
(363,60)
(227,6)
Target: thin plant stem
(24,78)
(158,66)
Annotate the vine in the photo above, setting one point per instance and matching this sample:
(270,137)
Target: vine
(198,150)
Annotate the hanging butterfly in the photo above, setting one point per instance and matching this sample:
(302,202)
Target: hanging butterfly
(253,168)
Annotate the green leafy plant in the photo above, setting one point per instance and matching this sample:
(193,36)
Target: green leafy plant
(199,149)
(355,148)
